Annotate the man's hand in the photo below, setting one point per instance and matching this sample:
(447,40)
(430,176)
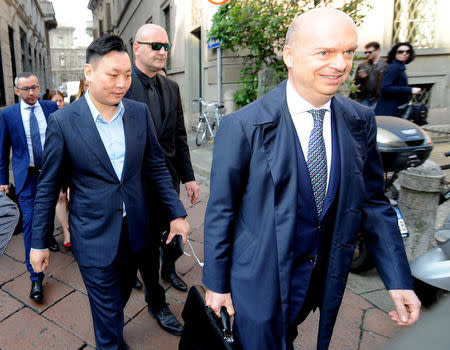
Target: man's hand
(416,90)
(192,190)
(4,188)
(407,307)
(216,300)
(39,259)
(178,226)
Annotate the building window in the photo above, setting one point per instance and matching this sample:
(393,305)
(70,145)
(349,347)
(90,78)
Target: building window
(414,21)
(62,60)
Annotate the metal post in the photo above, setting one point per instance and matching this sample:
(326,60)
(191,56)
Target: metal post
(219,75)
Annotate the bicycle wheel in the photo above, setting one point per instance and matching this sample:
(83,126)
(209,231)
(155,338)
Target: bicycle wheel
(201,132)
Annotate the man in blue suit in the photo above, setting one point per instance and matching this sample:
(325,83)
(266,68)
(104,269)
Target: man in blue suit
(295,175)
(106,146)
(22,127)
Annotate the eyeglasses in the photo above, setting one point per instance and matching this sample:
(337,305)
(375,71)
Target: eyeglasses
(28,88)
(156,46)
(369,52)
(401,52)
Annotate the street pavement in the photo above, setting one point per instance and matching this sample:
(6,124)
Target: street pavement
(63,320)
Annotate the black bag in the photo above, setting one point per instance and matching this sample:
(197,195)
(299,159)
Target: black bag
(203,330)
(416,112)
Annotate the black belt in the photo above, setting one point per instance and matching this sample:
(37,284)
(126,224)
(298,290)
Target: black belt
(34,170)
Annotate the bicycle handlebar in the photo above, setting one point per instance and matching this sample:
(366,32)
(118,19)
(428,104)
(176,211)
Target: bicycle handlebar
(208,104)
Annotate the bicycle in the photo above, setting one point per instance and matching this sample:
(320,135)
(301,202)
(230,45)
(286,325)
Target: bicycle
(207,126)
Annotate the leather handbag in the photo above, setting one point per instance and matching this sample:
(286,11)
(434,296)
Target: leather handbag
(203,330)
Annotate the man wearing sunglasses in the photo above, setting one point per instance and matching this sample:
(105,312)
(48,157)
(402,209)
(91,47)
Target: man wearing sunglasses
(369,75)
(162,96)
(22,127)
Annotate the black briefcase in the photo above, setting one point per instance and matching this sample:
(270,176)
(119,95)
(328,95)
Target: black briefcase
(203,330)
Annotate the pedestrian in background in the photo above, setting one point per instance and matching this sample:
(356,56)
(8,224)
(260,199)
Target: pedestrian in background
(23,127)
(369,75)
(295,176)
(162,96)
(62,207)
(394,88)
(82,88)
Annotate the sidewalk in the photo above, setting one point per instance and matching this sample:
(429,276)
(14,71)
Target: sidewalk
(63,320)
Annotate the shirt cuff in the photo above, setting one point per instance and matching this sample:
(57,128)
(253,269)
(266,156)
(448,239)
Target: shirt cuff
(39,250)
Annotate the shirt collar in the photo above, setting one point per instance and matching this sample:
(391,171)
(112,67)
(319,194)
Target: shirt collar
(298,104)
(24,105)
(145,79)
(96,114)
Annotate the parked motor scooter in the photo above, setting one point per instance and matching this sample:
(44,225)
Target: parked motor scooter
(431,271)
(402,144)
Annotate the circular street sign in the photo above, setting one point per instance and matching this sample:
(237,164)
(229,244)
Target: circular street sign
(218,2)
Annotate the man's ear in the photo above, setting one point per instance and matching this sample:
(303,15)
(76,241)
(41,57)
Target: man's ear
(16,90)
(88,72)
(135,48)
(287,56)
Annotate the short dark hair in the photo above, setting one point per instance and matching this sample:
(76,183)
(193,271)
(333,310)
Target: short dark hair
(393,52)
(23,75)
(374,44)
(103,46)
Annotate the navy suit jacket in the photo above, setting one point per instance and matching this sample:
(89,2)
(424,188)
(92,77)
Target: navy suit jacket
(250,223)
(12,133)
(394,90)
(73,144)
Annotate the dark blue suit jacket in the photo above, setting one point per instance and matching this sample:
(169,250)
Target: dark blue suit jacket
(394,90)
(12,133)
(73,144)
(251,224)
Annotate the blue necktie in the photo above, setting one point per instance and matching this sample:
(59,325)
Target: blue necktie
(35,139)
(317,159)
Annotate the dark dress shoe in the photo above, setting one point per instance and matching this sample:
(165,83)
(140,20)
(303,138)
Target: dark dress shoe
(166,319)
(175,280)
(36,290)
(137,284)
(52,244)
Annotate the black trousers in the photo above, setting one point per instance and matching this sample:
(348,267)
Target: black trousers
(109,289)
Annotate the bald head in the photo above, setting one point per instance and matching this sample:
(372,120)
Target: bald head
(309,21)
(149,30)
(318,54)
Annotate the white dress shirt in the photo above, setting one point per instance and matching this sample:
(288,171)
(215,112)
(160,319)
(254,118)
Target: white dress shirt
(304,123)
(42,122)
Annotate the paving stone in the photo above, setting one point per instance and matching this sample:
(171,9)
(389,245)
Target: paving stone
(8,305)
(27,330)
(135,304)
(143,332)
(379,322)
(204,192)
(364,282)
(10,269)
(372,341)
(53,291)
(307,333)
(71,276)
(185,263)
(197,235)
(347,329)
(73,313)
(196,214)
(184,198)
(354,299)
(381,299)
(58,261)
(16,248)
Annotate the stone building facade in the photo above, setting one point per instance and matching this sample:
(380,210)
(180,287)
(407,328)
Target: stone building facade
(24,43)
(67,60)
(193,65)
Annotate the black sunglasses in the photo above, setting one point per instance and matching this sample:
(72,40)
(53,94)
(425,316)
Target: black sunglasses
(401,52)
(369,52)
(156,46)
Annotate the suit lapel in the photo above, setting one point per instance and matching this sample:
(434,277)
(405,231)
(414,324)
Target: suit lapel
(18,125)
(131,134)
(166,98)
(85,124)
